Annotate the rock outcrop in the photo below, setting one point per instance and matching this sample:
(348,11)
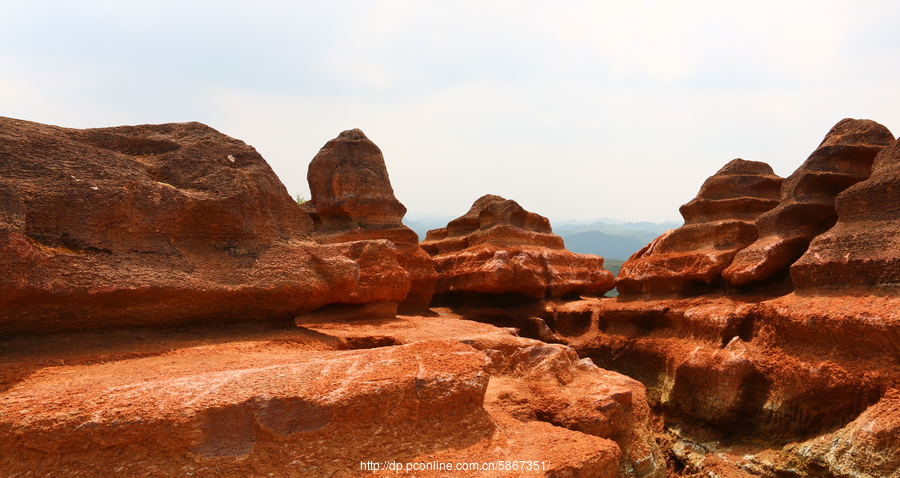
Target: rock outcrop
(352,200)
(718,223)
(807,206)
(770,380)
(337,399)
(153,225)
(861,250)
(754,380)
(130,228)
(498,247)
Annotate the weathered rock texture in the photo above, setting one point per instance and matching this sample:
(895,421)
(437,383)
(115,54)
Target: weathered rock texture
(249,401)
(807,206)
(156,224)
(862,250)
(773,373)
(718,223)
(533,382)
(804,384)
(867,447)
(500,248)
(352,199)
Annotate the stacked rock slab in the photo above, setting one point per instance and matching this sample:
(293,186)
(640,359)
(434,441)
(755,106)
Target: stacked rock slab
(718,223)
(807,200)
(152,225)
(862,250)
(352,200)
(500,248)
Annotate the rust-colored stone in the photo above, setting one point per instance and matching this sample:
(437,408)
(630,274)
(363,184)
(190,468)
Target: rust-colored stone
(498,247)
(867,447)
(776,371)
(861,250)
(151,225)
(533,381)
(249,399)
(352,200)
(807,200)
(718,223)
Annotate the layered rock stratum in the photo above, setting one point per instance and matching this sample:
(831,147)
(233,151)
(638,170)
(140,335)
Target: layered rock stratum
(170,256)
(352,200)
(758,380)
(807,206)
(788,386)
(498,248)
(862,250)
(718,223)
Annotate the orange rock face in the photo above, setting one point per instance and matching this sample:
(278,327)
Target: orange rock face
(500,248)
(251,400)
(860,251)
(807,200)
(150,225)
(718,223)
(754,381)
(352,200)
(786,371)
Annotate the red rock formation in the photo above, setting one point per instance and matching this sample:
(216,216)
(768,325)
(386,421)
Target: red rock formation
(352,199)
(860,251)
(150,225)
(245,401)
(533,381)
(778,371)
(807,200)
(718,223)
(499,248)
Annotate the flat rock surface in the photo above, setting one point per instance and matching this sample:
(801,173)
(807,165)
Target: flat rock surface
(324,400)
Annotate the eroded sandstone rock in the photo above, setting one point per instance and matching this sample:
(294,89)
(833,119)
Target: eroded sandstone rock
(352,200)
(807,200)
(267,411)
(730,372)
(251,400)
(150,225)
(860,251)
(532,381)
(498,247)
(718,223)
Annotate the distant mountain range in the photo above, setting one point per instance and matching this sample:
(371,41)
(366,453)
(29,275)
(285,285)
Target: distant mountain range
(611,239)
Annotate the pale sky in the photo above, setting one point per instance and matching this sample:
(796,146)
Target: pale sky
(576,109)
